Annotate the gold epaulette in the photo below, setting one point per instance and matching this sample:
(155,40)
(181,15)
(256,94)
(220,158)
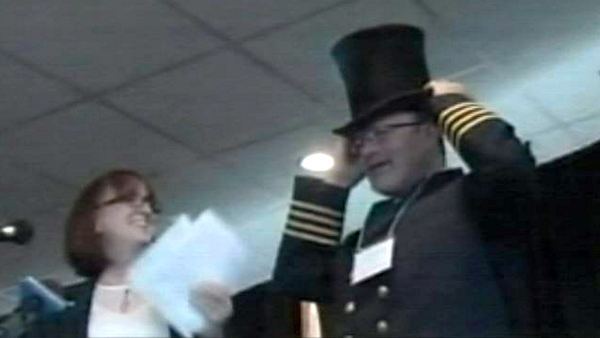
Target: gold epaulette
(459,119)
(314,223)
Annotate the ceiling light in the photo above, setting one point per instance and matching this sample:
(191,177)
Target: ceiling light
(317,162)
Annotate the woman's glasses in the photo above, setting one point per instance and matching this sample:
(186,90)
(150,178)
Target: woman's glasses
(132,200)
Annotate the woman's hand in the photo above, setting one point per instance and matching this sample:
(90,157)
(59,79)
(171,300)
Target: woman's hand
(213,300)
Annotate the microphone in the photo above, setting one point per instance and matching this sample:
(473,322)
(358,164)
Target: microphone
(17,231)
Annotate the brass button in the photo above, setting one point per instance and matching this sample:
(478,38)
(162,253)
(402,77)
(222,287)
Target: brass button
(350,307)
(383,291)
(382,326)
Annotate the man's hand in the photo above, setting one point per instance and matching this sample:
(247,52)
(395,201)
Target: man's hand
(346,172)
(213,300)
(443,87)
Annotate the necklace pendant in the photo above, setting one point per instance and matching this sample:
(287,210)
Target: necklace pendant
(125,303)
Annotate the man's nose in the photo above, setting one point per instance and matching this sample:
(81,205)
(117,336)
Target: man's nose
(368,147)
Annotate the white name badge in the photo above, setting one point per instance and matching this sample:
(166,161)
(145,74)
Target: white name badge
(372,260)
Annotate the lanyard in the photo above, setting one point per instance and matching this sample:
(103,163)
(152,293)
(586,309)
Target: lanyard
(398,216)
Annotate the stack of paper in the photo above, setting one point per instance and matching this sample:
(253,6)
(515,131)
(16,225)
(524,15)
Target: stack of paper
(188,253)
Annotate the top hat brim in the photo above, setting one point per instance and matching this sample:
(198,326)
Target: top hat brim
(405,102)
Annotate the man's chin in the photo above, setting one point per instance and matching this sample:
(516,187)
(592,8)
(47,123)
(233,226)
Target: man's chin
(390,189)
(382,187)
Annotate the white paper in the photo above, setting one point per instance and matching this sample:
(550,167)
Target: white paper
(188,253)
(372,261)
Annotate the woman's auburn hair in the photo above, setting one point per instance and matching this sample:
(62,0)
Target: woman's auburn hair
(83,244)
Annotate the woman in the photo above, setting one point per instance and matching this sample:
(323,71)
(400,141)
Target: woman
(110,224)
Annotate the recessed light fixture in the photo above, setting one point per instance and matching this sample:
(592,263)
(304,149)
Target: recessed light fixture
(318,162)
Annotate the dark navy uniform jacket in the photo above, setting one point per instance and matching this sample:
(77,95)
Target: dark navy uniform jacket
(461,261)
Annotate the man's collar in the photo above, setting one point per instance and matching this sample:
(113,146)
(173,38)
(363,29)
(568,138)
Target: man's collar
(432,183)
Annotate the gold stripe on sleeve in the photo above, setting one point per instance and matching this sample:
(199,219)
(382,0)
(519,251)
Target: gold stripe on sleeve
(458,115)
(472,125)
(452,109)
(458,124)
(317,208)
(313,228)
(315,218)
(310,238)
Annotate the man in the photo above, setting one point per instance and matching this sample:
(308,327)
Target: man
(447,254)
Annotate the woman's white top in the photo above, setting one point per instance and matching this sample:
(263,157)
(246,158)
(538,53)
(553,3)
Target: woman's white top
(118,312)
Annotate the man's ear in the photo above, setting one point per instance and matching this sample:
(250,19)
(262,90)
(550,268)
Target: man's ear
(434,133)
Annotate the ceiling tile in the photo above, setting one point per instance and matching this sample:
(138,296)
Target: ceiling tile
(11,272)
(219,103)
(209,185)
(26,94)
(586,131)
(98,43)
(552,144)
(545,49)
(533,120)
(527,117)
(238,18)
(89,139)
(568,88)
(262,236)
(25,192)
(273,163)
(488,85)
(262,233)
(302,50)
(519,29)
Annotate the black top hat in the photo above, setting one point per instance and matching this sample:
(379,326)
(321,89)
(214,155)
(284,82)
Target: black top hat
(384,70)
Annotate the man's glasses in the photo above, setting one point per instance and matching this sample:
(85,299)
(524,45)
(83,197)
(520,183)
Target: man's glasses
(378,135)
